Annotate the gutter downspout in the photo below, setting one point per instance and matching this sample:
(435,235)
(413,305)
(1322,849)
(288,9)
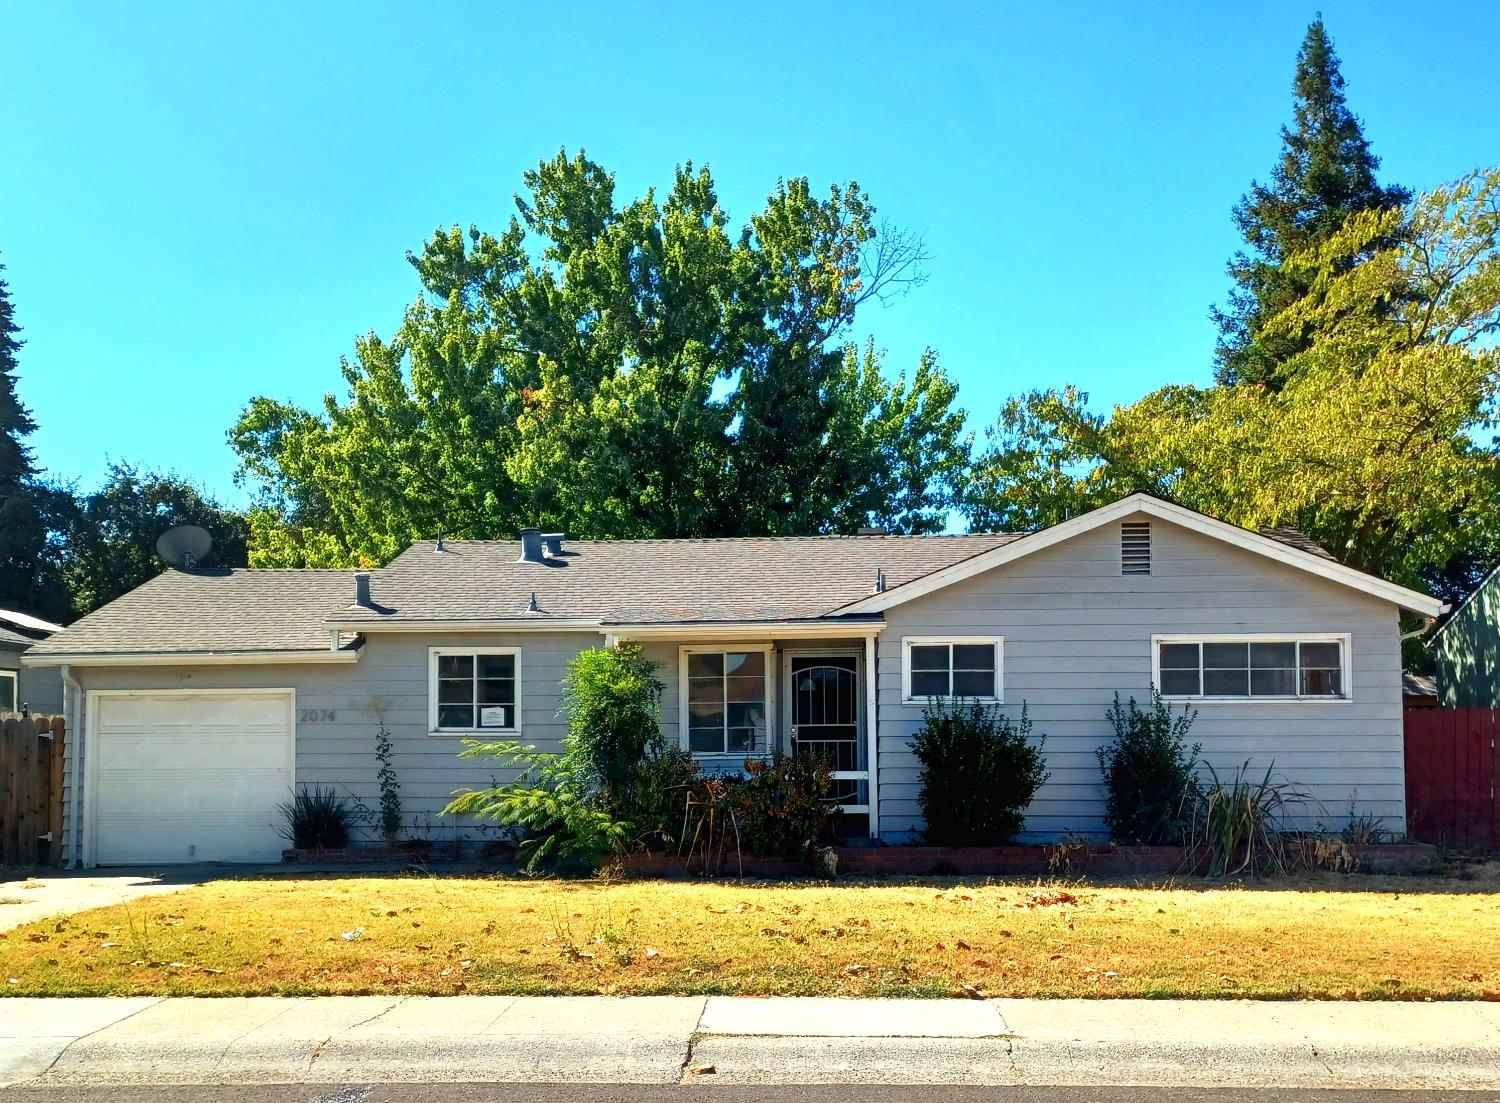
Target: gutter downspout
(73,729)
(1417,633)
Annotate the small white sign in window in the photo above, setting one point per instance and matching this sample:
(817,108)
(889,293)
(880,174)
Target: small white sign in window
(494,716)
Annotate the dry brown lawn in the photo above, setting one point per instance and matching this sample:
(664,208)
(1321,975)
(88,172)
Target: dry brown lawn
(1331,937)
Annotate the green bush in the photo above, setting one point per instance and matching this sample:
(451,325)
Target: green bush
(782,805)
(1150,773)
(572,806)
(316,819)
(979,773)
(612,697)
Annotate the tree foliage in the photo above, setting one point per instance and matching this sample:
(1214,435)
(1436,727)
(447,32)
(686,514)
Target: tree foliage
(1325,173)
(1380,444)
(111,533)
(619,370)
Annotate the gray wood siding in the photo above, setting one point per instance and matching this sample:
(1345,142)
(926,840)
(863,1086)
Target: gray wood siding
(37,687)
(392,669)
(1076,631)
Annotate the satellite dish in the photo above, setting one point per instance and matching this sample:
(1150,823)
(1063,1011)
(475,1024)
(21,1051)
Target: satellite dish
(184,546)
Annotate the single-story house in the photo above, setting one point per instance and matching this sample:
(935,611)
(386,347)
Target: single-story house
(23,689)
(202,697)
(1466,650)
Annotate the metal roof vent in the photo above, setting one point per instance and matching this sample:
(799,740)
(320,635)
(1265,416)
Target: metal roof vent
(552,542)
(1135,547)
(531,547)
(362,589)
(532,606)
(879,587)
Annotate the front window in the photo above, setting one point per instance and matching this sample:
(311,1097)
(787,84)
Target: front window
(1251,668)
(475,690)
(968,666)
(726,695)
(8,701)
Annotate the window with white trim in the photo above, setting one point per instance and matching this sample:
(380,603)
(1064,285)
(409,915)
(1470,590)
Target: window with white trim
(948,667)
(9,697)
(474,690)
(726,698)
(1291,667)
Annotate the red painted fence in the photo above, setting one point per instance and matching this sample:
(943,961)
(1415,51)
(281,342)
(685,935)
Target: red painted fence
(1452,774)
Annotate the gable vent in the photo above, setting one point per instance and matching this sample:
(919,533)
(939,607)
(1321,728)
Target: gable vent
(1135,547)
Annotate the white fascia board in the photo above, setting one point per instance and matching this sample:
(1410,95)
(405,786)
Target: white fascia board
(570,624)
(1166,511)
(746,630)
(192,658)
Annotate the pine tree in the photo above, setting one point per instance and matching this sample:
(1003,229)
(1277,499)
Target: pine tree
(30,579)
(1325,174)
(15,420)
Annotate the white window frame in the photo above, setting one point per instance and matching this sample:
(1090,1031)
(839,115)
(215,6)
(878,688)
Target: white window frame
(1346,663)
(767,652)
(908,642)
(433,654)
(15,690)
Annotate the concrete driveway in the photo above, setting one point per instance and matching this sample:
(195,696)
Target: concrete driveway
(60,893)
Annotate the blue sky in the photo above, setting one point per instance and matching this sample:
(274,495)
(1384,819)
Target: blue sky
(199,203)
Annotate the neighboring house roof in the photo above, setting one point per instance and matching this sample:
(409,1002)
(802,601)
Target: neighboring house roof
(765,581)
(228,611)
(1484,583)
(1418,685)
(20,631)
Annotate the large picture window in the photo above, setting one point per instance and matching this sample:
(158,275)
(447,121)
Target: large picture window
(1272,667)
(726,695)
(960,666)
(475,690)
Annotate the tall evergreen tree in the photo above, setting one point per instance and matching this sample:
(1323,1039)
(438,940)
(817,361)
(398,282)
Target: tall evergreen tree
(29,576)
(1325,174)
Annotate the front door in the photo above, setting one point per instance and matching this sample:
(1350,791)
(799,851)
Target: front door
(825,694)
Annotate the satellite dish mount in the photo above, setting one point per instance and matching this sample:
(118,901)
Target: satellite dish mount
(184,546)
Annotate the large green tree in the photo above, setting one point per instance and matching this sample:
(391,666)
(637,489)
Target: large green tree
(619,370)
(1380,445)
(111,533)
(1325,173)
(29,541)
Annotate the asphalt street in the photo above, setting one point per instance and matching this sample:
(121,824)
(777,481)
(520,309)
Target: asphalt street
(708,1093)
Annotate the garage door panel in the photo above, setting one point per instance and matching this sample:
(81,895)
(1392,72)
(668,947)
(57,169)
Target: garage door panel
(191,777)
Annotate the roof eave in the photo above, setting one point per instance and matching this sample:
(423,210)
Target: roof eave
(190,658)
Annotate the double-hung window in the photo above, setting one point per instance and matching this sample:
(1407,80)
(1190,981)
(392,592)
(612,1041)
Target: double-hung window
(1253,667)
(474,690)
(726,698)
(947,667)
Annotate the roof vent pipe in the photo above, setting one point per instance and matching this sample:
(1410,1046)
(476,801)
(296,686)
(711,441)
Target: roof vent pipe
(552,541)
(531,547)
(532,606)
(362,589)
(879,587)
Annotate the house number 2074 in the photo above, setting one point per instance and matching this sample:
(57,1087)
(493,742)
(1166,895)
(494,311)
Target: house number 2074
(316,716)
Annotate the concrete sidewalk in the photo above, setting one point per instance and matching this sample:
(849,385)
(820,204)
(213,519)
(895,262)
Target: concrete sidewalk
(665,1040)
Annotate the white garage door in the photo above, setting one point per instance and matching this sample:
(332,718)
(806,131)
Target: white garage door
(190,777)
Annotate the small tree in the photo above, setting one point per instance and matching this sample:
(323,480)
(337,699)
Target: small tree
(1150,773)
(574,805)
(979,773)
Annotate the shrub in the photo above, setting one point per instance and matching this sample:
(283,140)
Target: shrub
(979,773)
(613,700)
(1238,824)
(573,806)
(782,805)
(316,819)
(390,788)
(1150,773)
(655,802)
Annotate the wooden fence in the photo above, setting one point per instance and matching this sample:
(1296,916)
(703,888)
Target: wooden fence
(1452,772)
(31,778)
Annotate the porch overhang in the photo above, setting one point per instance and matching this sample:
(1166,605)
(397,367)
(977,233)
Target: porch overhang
(756,630)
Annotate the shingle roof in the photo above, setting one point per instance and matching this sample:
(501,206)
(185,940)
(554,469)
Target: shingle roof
(656,581)
(214,610)
(611,582)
